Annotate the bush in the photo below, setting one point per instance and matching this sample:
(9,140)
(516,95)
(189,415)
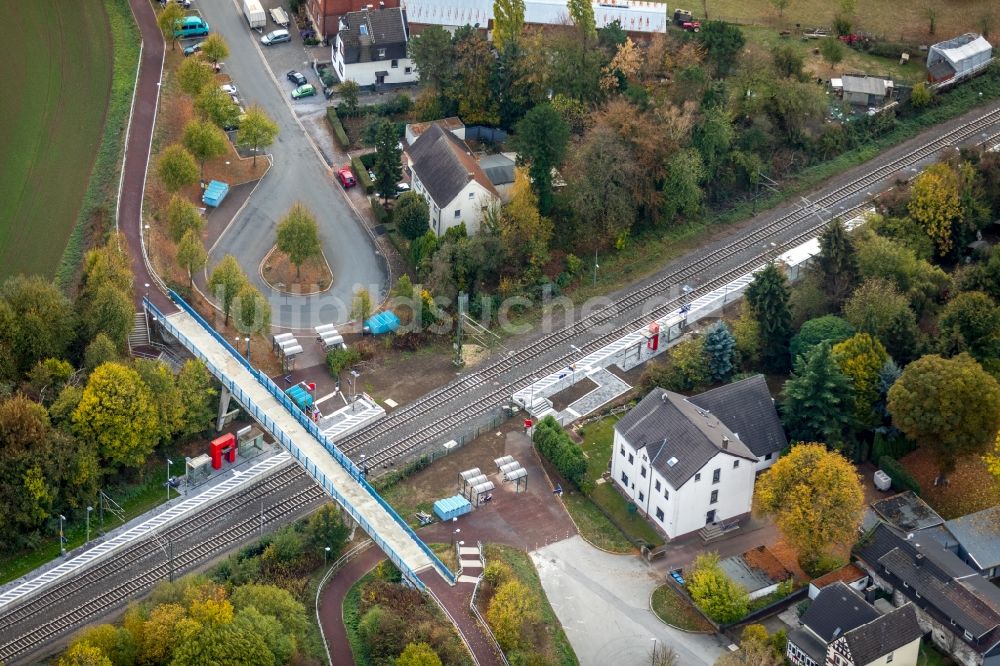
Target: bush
(381,214)
(901,479)
(338,127)
(362,175)
(893,446)
(559,449)
(340,359)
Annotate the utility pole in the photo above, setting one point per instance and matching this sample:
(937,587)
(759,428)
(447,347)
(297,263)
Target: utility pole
(463,304)
(595,266)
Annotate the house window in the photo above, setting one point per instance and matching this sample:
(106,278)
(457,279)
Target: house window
(642,497)
(715,497)
(381,53)
(458,213)
(642,471)
(625,479)
(472,194)
(657,485)
(408,70)
(697,477)
(666,494)
(888,658)
(395,63)
(623,451)
(768,456)
(659,514)
(968,635)
(736,463)
(716,474)
(631,459)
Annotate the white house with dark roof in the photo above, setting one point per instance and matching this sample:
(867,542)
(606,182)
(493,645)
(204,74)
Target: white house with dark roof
(371,48)
(841,628)
(449,177)
(683,465)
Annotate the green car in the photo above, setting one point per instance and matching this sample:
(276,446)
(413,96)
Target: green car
(307,90)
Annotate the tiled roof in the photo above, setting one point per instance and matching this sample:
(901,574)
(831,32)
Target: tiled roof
(680,437)
(848,573)
(836,610)
(883,635)
(443,164)
(366,32)
(747,408)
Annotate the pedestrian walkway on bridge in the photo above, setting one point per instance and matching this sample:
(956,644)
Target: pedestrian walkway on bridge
(331,469)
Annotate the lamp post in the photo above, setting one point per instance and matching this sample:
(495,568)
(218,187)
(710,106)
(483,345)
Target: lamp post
(169,463)
(573,366)
(238,338)
(531,399)
(653,660)
(326,556)
(62,539)
(596,266)
(354,375)
(458,530)
(89,509)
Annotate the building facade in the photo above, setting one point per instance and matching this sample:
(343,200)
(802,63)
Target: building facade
(371,48)
(325,15)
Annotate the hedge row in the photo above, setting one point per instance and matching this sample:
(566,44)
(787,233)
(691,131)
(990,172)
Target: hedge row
(559,449)
(338,127)
(361,173)
(901,479)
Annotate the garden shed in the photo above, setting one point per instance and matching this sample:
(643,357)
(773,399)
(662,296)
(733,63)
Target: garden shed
(452,507)
(959,56)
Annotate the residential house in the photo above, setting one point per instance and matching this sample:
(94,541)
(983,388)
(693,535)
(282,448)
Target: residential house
(977,540)
(840,628)
(451,124)
(958,606)
(747,408)
(500,169)
(958,57)
(325,15)
(635,16)
(866,91)
(851,575)
(757,570)
(371,48)
(444,171)
(684,466)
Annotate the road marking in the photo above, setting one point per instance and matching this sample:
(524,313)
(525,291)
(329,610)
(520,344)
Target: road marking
(326,397)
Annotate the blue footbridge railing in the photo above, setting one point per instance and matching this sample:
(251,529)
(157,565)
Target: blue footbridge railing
(261,416)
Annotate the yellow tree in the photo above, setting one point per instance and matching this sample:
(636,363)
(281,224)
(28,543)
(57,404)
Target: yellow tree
(84,654)
(626,63)
(418,654)
(935,204)
(816,500)
(524,233)
(511,607)
(861,358)
(159,632)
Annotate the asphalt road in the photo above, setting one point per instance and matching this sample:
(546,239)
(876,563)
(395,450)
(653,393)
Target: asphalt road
(298,175)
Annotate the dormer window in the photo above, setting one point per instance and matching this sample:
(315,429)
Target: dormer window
(381,53)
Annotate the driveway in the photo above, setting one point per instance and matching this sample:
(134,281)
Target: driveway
(299,174)
(602,601)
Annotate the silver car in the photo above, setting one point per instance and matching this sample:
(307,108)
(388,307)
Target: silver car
(275,37)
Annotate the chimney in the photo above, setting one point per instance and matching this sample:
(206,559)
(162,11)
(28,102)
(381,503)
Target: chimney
(919,559)
(725,443)
(471,175)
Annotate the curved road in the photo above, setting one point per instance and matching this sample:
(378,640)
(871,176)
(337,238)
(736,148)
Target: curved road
(299,174)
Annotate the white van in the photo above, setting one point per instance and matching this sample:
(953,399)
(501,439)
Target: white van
(275,37)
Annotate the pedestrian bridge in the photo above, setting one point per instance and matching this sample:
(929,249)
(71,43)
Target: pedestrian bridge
(327,465)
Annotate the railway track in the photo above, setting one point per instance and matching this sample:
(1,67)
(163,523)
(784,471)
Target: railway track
(43,631)
(359,441)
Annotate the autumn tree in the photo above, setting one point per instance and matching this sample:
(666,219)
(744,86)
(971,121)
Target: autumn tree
(935,205)
(197,393)
(581,12)
(298,236)
(721,598)
(257,130)
(816,500)
(475,68)
(388,168)
(225,282)
(508,22)
(768,297)
(411,215)
(85,654)
(818,398)
(433,54)
(182,216)
(524,233)
(682,193)
(191,254)
(755,649)
(510,609)
(348,91)
(275,602)
(215,105)
(105,298)
(176,167)
(194,75)
(419,654)
(252,312)
(214,48)
(162,385)
(540,139)
(38,321)
(623,68)
(118,415)
(861,359)
(951,407)
(971,323)
(361,306)
(167,20)
(877,307)
(837,261)
(720,351)
(204,141)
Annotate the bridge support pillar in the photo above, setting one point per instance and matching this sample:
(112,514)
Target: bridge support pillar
(224,398)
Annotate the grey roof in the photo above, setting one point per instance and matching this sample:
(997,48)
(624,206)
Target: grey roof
(366,32)
(867,85)
(444,165)
(836,610)
(907,512)
(883,635)
(498,168)
(738,571)
(979,535)
(747,408)
(809,644)
(671,427)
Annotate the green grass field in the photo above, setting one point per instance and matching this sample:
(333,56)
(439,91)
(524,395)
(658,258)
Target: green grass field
(53,107)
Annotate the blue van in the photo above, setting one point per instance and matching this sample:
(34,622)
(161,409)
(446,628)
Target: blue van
(190,26)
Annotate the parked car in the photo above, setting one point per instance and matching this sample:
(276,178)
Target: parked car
(194,48)
(346,177)
(307,90)
(402,188)
(229,89)
(298,78)
(276,37)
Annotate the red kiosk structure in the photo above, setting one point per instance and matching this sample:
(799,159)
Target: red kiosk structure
(223,446)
